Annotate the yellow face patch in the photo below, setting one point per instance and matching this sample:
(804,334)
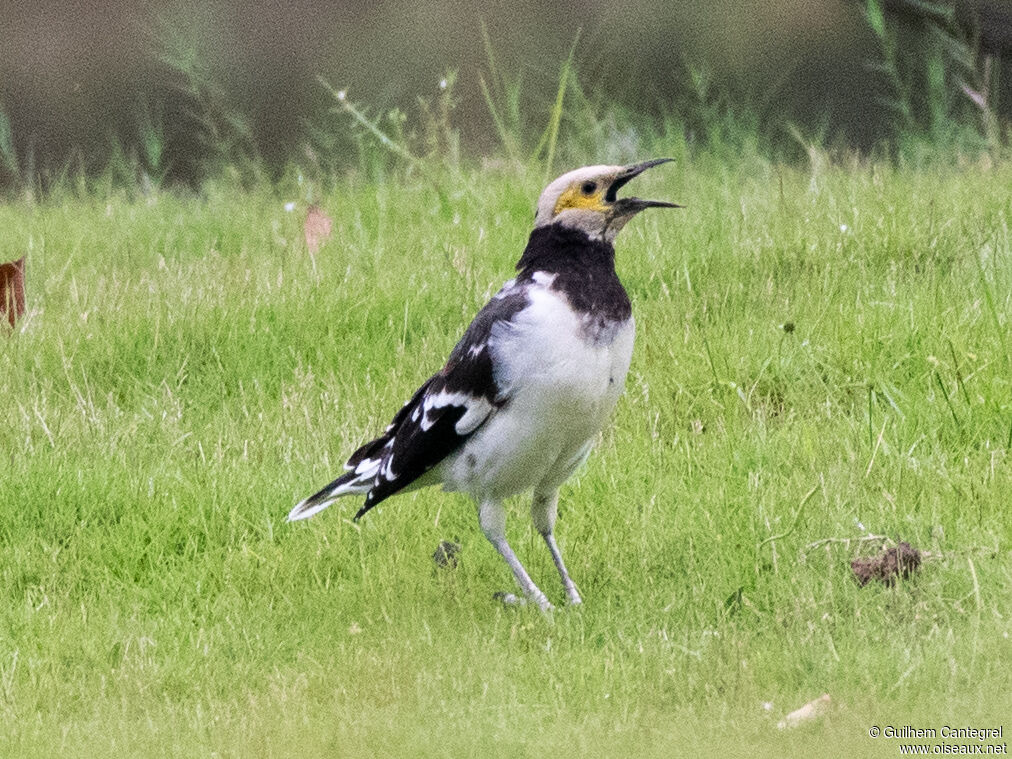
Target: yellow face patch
(575,197)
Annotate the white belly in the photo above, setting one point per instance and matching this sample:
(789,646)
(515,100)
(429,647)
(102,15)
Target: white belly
(561,383)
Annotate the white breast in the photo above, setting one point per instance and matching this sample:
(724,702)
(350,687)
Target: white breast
(562,381)
(551,355)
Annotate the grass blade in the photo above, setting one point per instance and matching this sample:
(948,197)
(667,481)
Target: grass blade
(551,133)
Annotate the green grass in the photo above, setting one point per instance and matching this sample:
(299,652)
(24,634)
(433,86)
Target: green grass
(187,372)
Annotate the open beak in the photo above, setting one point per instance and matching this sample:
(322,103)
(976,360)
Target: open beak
(628,206)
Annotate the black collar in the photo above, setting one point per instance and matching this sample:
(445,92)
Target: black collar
(584,269)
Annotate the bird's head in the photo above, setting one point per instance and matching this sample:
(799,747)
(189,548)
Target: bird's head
(585,199)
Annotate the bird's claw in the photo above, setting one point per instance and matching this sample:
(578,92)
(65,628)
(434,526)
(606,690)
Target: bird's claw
(512,599)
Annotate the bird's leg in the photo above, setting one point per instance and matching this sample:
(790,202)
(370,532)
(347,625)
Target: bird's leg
(544,510)
(492,518)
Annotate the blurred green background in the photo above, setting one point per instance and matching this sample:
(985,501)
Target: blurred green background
(79,77)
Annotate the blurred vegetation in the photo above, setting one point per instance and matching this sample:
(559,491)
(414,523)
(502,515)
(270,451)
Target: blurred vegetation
(932,70)
(940,87)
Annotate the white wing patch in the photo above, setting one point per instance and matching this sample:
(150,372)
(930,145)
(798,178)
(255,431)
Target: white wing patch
(477,412)
(387,472)
(476,409)
(543,278)
(367,467)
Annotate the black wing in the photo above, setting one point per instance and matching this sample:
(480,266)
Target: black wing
(443,412)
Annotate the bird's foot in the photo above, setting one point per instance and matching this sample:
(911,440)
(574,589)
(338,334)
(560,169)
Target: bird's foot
(509,599)
(574,595)
(512,599)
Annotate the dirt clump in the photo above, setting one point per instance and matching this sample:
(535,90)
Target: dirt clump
(446,554)
(900,561)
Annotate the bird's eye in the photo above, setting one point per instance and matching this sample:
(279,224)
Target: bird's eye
(588,188)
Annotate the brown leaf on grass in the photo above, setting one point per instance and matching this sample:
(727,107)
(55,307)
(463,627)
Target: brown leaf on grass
(901,561)
(12,290)
(316,228)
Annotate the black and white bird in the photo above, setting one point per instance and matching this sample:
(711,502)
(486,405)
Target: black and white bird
(525,392)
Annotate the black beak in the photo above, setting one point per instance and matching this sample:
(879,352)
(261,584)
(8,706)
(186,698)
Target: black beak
(635,205)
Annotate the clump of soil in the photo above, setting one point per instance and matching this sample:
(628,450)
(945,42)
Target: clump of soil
(901,561)
(446,554)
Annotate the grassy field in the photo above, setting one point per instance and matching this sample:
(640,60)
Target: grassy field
(823,354)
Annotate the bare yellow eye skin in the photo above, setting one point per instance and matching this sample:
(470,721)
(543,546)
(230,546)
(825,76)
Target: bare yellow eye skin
(584,195)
